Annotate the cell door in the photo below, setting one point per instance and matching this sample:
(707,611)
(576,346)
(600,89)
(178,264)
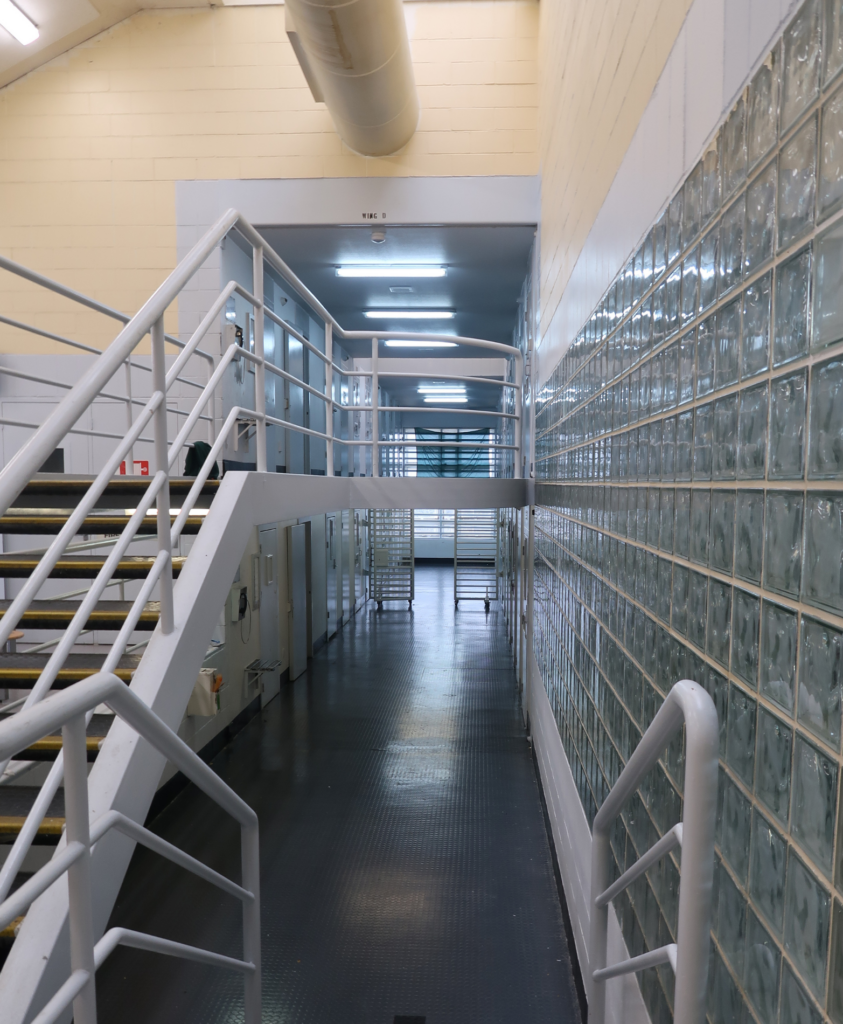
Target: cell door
(270,646)
(297,591)
(347,566)
(331,543)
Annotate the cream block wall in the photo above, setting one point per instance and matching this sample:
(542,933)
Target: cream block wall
(599,61)
(92,144)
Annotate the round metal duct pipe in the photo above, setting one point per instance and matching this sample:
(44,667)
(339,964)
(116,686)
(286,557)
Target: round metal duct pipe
(355,55)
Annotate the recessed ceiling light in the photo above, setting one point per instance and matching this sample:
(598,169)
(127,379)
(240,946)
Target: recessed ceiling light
(393,343)
(409,314)
(441,390)
(450,399)
(390,270)
(16,23)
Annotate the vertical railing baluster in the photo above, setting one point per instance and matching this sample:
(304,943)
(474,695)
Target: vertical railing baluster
(250,859)
(159,383)
(130,454)
(376,469)
(80,911)
(329,398)
(260,368)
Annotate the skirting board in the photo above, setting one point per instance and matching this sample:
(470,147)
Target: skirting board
(572,839)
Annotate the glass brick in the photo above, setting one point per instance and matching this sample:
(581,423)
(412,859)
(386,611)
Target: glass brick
(814,802)
(709,256)
(787,426)
(822,573)
(682,534)
(740,736)
(724,438)
(733,145)
(830,187)
(697,607)
(778,654)
(719,621)
(755,343)
(768,860)
(752,433)
(820,679)
(728,340)
(827,321)
(664,588)
(659,323)
(761,968)
(825,448)
(700,524)
(735,825)
(792,296)
(669,449)
(666,513)
(705,358)
(796,1007)
(722,531)
(711,182)
(835,988)
(724,999)
(692,206)
(690,285)
(745,627)
(760,229)
(687,359)
(670,360)
(801,62)
(731,245)
(832,39)
(684,442)
(775,744)
(647,262)
(672,308)
(703,422)
(660,246)
(749,535)
(680,599)
(807,908)
(674,228)
(783,543)
(762,109)
(797,184)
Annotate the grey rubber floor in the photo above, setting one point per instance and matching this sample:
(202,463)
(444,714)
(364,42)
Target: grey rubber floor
(405,863)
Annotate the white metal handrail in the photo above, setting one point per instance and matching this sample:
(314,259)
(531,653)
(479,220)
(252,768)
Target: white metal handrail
(687,704)
(68,711)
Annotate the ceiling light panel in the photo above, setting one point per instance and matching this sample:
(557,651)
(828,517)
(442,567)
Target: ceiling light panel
(446,399)
(16,23)
(392,271)
(394,343)
(409,314)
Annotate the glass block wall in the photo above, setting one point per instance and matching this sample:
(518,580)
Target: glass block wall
(690,525)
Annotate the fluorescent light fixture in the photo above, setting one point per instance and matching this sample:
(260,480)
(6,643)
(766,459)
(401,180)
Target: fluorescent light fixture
(409,314)
(16,23)
(443,390)
(450,399)
(392,343)
(389,270)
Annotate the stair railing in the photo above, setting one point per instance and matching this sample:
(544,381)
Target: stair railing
(68,711)
(687,704)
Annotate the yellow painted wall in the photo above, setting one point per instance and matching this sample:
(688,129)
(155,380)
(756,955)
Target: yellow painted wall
(599,61)
(91,144)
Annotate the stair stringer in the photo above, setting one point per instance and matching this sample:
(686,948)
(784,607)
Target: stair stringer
(127,771)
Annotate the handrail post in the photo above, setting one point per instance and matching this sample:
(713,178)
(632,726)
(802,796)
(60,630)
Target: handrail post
(519,433)
(80,909)
(329,396)
(130,454)
(250,858)
(376,469)
(260,368)
(159,383)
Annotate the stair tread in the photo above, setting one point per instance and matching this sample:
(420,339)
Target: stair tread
(22,669)
(17,801)
(105,615)
(31,521)
(68,483)
(82,566)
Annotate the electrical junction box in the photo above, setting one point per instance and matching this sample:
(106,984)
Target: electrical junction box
(381,558)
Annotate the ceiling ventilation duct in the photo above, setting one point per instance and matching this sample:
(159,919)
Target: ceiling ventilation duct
(355,55)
